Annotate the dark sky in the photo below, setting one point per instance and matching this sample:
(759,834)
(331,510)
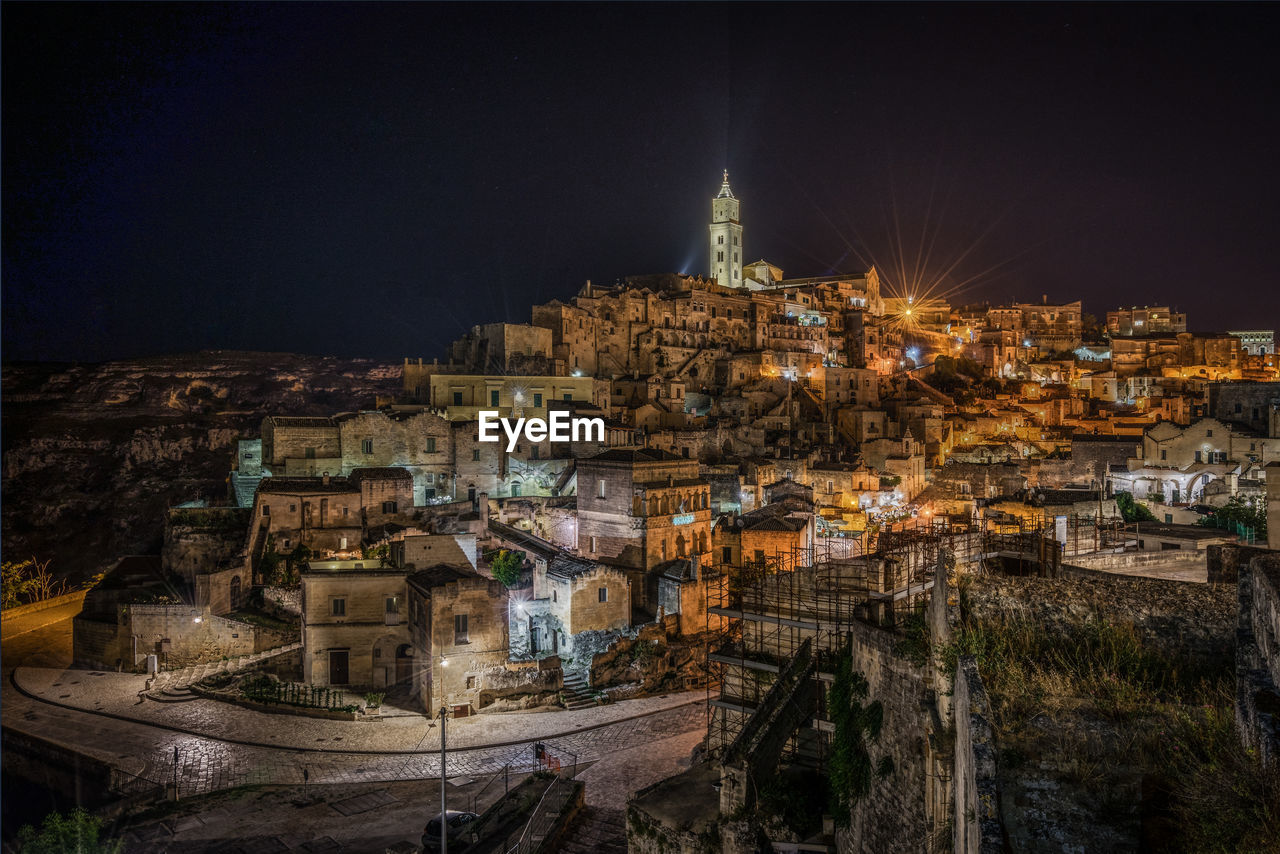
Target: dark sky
(373,180)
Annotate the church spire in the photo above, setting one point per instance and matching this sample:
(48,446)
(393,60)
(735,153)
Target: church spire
(725,192)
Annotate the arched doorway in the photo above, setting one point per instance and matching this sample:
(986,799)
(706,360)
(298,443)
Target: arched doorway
(237,593)
(404,666)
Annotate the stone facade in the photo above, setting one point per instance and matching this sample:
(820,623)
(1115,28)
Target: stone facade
(354,627)
(460,637)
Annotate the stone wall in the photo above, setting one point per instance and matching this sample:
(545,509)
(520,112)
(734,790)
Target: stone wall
(192,637)
(193,549)
(976,815)
(1225,561)
(1120,561)
(1183,618)
(1258,658)
(893,816)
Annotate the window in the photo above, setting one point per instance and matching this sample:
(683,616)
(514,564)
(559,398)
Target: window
(735,240)
(1164,455)
(554,597)
(431,444)
(603,594)
(339,608)
(309,453)
(475,455)
(720,240)
(568,395)
(719,256)
(431,477)
(593,544)
(366,446)
(1208,433)
(471,683)
(460,628)
(266,509)
(293,508)
(430,493)
(388,507)
(457,398)
(1198,457)
(537,400)
(726,554)
(345,510)
(601,488)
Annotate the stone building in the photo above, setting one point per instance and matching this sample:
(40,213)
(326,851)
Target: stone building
(459,636)
(1179,465)
(506,348)
(322,513)
(638,508)
(354,630)
(1147,320)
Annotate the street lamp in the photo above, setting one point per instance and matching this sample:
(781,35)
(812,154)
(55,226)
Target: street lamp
(444,808)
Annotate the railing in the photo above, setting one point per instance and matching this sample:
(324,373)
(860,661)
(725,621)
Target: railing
(543,817)
(505,773)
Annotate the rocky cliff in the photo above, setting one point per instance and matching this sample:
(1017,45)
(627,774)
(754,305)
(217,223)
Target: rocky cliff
(94,454)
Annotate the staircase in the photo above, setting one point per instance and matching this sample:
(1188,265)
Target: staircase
(596,829)
(174,686)
(577,693)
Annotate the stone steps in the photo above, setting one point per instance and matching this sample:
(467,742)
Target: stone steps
(171,686)
(597,829)
(577,693)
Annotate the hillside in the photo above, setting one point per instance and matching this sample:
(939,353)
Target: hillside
(94,453)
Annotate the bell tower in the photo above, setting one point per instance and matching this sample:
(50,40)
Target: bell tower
(726,238)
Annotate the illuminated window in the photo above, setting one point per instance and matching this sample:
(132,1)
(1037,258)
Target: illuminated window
(601,493)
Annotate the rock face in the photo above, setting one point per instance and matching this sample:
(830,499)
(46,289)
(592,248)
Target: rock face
(94,454)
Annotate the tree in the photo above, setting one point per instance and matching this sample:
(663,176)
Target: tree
(506,566)
(1238,511)
(77,832)
(1131,510)
(28,581)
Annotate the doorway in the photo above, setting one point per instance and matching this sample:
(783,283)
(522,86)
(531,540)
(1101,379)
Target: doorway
(339,671)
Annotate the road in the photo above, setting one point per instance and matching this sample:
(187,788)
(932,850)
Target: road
(627,754)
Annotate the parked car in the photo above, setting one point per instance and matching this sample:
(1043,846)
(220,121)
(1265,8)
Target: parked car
(458,822)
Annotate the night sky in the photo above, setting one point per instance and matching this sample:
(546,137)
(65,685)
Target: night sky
(374,180)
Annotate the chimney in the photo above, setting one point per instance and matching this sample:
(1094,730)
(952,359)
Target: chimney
(325,480)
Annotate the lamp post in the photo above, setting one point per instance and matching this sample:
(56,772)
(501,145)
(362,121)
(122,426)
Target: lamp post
(444,809)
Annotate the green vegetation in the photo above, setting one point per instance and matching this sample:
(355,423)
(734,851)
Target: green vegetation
(914,645)
(1131,510)
(1029,670)
(851,768)
(1237,514)
(1168,715)
(264,689)
(506,565)
(25,581)
(788,799)
(1222,799)
(380,553)
(77,832)
(374,699)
